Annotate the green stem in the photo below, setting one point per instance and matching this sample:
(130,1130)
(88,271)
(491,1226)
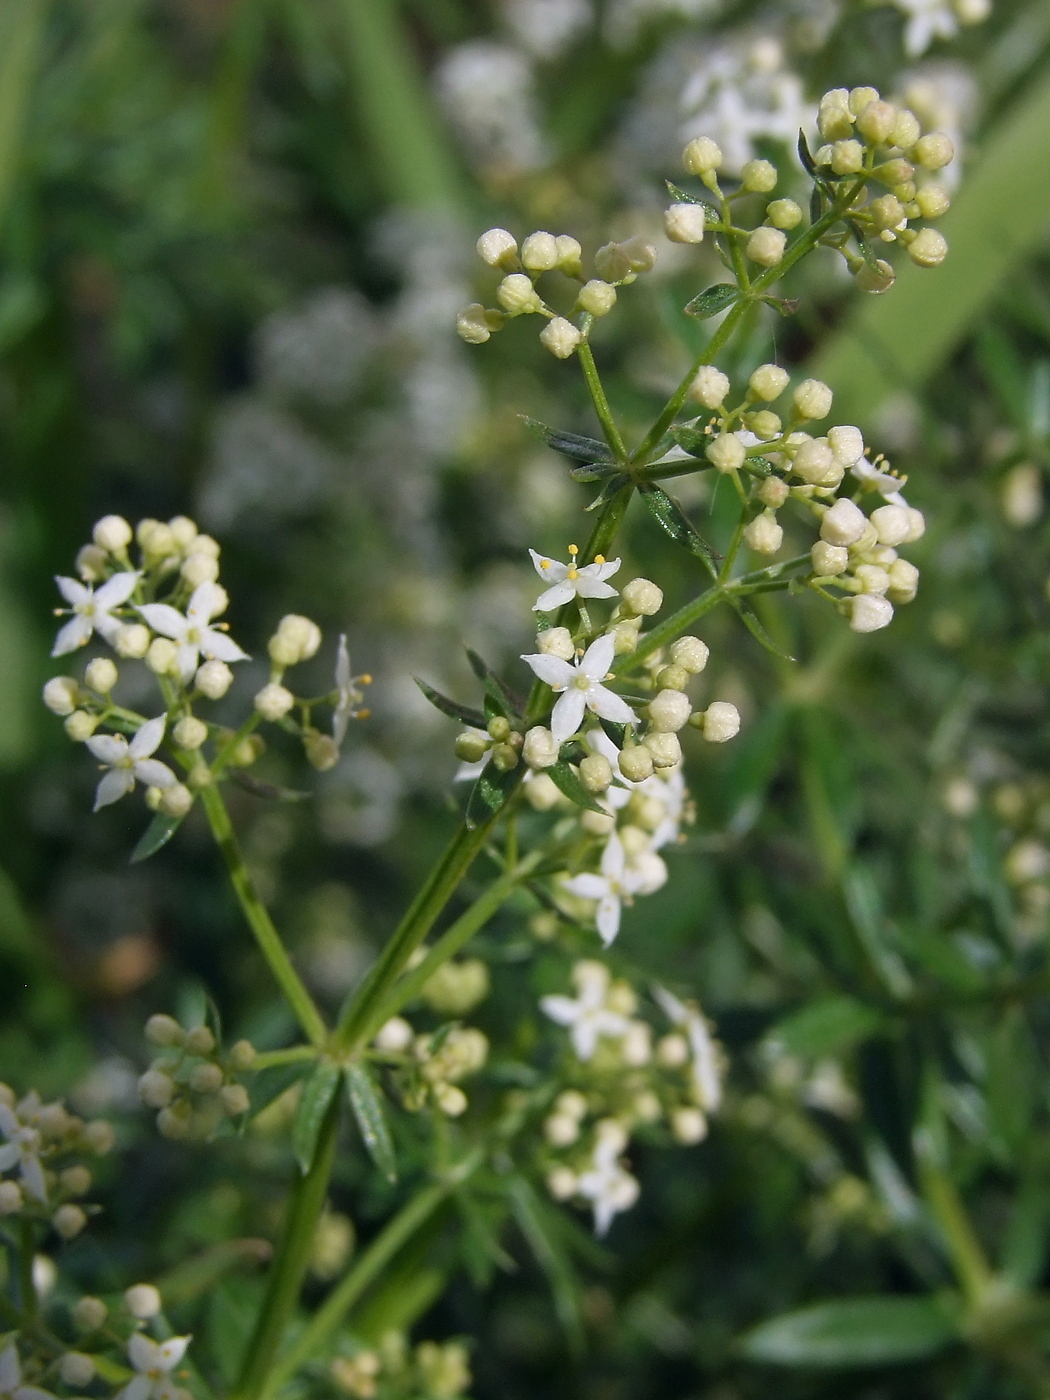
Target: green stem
(268,1059)
(262,926)
(971,1267)
(733,550)
(290,1263)
(601,403)
(394,1235)
(673,626)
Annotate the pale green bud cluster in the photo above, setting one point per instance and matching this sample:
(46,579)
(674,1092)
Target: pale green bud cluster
(438,1370)
(193,1084)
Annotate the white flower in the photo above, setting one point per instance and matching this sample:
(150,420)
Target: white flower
(154,1363)
(22,1147)
(608,1187)
(707,1077)
(126,762)
(11,1387)
(348,695)
(885,483)
(569,581)
(581,688)
(588,1016)
(666,787)
(927,20)
(92,610)
(192,633)
(616,884)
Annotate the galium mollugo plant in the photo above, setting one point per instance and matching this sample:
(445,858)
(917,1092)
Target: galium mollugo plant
(578,797)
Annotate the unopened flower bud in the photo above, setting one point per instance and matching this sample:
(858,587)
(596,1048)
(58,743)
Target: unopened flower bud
(100,675)
(561,1130)
(143,1301)
(471,746)
(721,721)
(642,597)
(612,263)
(274,701)
(322,752)
(640,253)
(69,1220)
(475,323)
(885,212)
(834,118)
(875,278)
(562,1183)
(113,533)
(183,530)
(904,581)
(669,710)
(89,1314)
(11,1200)
(597,297)
(766,246)
(541,793)
(242,1055)
(847,157)
(816,464)
(701,156)
(759,176)
(394,1036)
(132,640)
(556,641)
(560,337)
(206,1078)
(517,295)
(498,248)
(768,382)
(928,248)
(213,679)
(672,677)
(570,255)
(773,492)
(595,772)
(726,452)
(539,252)
(684,223)
(872,578)
(710,387)
(190,733)
(892,524)
(92,563)
(688,1126)
(60,695)
(164,1031)
(626,633)
(635,763)
(828,559)
(80,725)
(847,444)
(176,1122)
(763,534)
(504,757)
(933,201)
(499,728)
(597,823)
(234,1099)
(869,612)
(933,151)
(99,1137)
(199,1041)
(156,1089)
(156,538)
(764,423)
(199,568)
(784,214)
(451,1099)
(861,97)
(690,653)
(162,656)
(812,398)
(540,749)
(906,130)
(877,122)
(843,523)
(76,1369)
(665,748)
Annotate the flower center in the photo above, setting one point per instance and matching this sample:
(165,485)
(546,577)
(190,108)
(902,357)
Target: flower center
(582,682)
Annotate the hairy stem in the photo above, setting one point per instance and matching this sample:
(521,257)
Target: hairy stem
(262,926)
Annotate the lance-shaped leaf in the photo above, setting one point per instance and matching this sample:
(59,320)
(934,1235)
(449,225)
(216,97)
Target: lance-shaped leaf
(831,1025)
(490,792)
(692,439)
(592,471)
(564,778)
(718,298)
(581,449)
(804,154)
(750,619)
(317,1095)
(370,1118)
(159,832)
(666,511)
(614,484)
(540,1227)
(880,1331)
(465,713)
(505,700)
(273,792)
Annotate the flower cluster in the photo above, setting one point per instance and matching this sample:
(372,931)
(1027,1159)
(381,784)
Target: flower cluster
(41,1176)
(620,1081)
(193,1084)
(161,609)
(429,1067)
(393,1371)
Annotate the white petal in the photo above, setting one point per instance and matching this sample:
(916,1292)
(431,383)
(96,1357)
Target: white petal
(219,645)
(117,590)
(10,1370)
(107,626)
(609,706)
(204,604)
(549,569)
(599,657)
(74,634)
(32,1174)
(115,784)
(561,1009)
(9,1124)
(608,918)
(165,620)
(612,861)
(186,659)
(143,1352)
(607,569)
(587,886)
(551,669)
(9,1155)
(567,714)
(108,748)
(138,1388)
(148,737)
(554,597)
(594,588)
(172,1351)
(72,591)
(153,773)
(585,1039)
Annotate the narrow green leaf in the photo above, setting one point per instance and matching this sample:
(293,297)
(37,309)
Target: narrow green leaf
(465,713)
(370,1119)
(200,1274)
(616,732)
(750,619)
(669,515)
(506,701)
(681,196)
(804,154)
(690,439)
(565,779)
(581,449)
(718,298)
(273,792)
(592,471)
(880,1331)
(611,487)
(159,832)
(539,1226)
(318,1092)
(827,1026)
(490,792)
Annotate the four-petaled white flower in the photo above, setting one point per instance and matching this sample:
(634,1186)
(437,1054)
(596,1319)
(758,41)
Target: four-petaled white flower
(22,1149)
(581,688)
(570,581)
(707,1073)
(887,485)
(608,1186)
(348,696)
(154,1363)
(92,610)
(612,888)
(927,20)
(588,1017)
(11,1387)
(125,762)
(192,633)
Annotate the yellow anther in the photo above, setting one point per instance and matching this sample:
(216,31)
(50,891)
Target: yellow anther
(599,558)
(365,680)
(574,549)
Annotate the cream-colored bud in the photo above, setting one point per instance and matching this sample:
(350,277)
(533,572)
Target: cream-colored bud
(906,130)
(672,677)
(474,324)
(213,679)
(710,387)
(75,1180)
(642,597)
(471,747)
(877,122)
(773,492)
(640,253)
(539,252)
(665,748)
(635,763)
(766,246)
(204,544)
(183,530)
(570,254)
(176,800)
(100,675)
(80,725)
(626,633)
(721,722)
(690,653)
(892,524)
(688,1126)
(199,1040)
(162,656)
(597,297)
(164,1031)
(861,97)
(560,337)
(562,1183)
(541,792)
(933,151)
(498,248)
(540,749)
(685,223)
(89,1314)
(933,201)
(234,1099)
(843,523)
(595,772)
(242,1055)
(784,214)
(199,568)
(556,641)
(816,464)
(190,733)
(143,1301)
(451,1099)
(69,1220)
(885,212)
(768,382)
(60,695)
(726,452)
(701,155)
(834,118)
(11,1199)
(612,263)
(322,752)
(669,710)
(517,295)
(918,525)
(274,701)
(875,279)
(394,1036)
(763,534)
(92,563)
(156,538)
(904,581)
(132,641)
(928,248)
(812,398)
(597,823)
(99,1136)
(872,578)
(847,157)
(561,1130)
(869,612)
(672,1051)
(847,444)
(156,1089)
(759,176)
(206,1078)
(112,533)
(828,559)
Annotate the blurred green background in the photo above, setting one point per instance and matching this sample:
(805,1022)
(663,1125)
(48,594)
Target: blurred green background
(234,237)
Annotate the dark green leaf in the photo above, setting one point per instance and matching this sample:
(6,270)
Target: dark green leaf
(592,471)
(804,154)
(691,439)
(270,1084)
(565,779)
(318,1092)
(159,832)
(717,298)
(506,702)
(540,1227)
(581,449)
(272,791)
(202,1272)
(616,732)
(490,792)
(482,1222)
(827,1026)
(671,518)
(750,619)
(370,1119)
(681,196)
(465,713)
(816,204)
(609,490)
(881,1331)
